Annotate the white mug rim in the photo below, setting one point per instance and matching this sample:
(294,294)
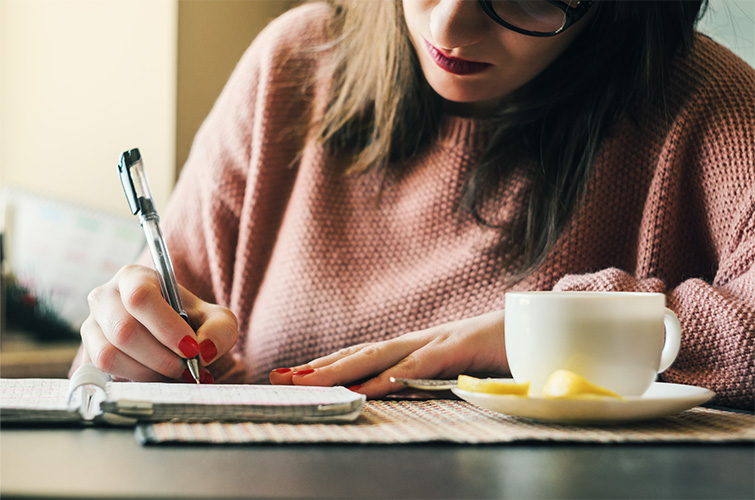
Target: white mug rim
(584,294)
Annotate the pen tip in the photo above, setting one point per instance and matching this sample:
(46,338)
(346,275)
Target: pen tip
(193,365)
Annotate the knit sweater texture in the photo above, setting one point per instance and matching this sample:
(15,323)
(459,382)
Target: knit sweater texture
(311,260)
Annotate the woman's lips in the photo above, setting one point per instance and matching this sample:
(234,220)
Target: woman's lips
(454,64)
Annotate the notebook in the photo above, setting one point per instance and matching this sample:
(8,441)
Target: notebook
(89,397)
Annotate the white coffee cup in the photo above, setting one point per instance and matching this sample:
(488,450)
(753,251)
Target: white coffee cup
(618,340)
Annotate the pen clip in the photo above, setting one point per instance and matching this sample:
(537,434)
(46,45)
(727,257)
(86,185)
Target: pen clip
(128,158)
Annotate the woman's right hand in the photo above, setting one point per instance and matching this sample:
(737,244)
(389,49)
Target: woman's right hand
(133,333)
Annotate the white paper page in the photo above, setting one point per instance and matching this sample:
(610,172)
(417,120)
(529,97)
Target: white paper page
(230,394)
(35,394)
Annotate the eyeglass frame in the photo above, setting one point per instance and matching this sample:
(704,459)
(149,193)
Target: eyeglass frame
(572,15)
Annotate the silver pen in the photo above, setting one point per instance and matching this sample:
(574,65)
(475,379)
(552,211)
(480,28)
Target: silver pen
(139,195)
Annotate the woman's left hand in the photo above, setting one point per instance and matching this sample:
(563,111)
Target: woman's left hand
(473,345)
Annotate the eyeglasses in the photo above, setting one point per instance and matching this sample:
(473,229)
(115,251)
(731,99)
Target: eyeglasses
(535,17)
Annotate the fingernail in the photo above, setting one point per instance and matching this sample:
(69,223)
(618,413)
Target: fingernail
(208,350)
(206,377)
(304,372)
(282,370)
(189,347)
(186,377)
(355,387)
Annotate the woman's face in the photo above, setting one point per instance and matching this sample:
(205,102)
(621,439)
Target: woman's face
(471,60)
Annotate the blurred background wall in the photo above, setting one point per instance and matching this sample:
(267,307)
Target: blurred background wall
(212,35)
(83,80)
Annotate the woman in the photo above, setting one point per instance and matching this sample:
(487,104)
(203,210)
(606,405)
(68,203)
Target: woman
(378,168)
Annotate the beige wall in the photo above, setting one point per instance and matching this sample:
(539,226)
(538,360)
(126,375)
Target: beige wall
(83,80)
(212,35)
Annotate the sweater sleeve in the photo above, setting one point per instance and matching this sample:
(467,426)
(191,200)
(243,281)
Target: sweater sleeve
(714,145)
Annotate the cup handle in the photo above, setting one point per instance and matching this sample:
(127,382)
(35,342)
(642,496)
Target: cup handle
(673,339)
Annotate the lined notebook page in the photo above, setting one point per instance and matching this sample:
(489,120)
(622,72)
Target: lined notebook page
(38,400)
(34,393)
(229,394)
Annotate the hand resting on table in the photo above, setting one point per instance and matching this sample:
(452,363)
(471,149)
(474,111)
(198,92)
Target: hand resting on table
(470,345)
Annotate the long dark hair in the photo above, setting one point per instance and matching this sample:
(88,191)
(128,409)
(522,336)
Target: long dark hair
(553,124)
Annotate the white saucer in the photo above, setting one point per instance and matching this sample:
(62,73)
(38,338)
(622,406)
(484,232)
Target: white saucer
(659,400)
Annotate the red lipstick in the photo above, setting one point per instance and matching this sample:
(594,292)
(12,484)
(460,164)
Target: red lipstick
(455,65)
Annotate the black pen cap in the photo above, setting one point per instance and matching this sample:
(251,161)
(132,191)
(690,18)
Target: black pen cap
(131,156)
(135,184)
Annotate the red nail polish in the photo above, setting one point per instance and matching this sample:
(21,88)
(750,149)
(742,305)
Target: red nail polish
(186,377)
(189,347)
(304,372)
(282,370)
(208,350)
(206,377)
(354,387)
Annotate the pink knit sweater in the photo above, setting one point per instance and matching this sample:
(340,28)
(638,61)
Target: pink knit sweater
(311,261)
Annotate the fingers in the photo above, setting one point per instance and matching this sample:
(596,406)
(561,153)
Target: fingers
(474,344)
(429,361)
(217,330)
(284,375)
(133,333)
(113,336)
(363,368)
(346,366)
(110,360)
(141,298)
(367,361)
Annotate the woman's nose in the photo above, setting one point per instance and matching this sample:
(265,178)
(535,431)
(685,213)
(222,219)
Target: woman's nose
(457,23)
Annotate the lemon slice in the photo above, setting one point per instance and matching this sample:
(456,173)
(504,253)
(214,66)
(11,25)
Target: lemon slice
(492,385)
(565,384)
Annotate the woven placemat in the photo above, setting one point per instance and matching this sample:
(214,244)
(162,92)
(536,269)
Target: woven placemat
(390,422)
